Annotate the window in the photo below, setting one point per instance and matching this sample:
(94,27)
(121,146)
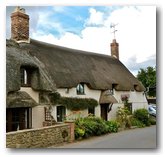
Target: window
(26,74)
(91,110)
(80,88)
(47,115)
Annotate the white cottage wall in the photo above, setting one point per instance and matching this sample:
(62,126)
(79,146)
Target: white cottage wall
(138,100)
(71,92)
(31,92)
(38,115)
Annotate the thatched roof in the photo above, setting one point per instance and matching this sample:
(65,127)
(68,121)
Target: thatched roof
(19,99)
(66,67)
(17,57)
(106,97)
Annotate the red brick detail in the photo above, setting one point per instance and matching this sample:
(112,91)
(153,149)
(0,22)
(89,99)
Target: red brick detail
(19,26)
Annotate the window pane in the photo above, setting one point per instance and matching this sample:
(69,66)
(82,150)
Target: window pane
(80,89)
(26,74)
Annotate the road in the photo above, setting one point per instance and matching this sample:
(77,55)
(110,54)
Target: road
(133,138)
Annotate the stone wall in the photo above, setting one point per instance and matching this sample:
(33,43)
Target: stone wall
(42,137)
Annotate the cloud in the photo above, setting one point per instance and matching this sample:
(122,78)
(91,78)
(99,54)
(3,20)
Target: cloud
(136,33)
(134,66)
(96,17)
(59,9)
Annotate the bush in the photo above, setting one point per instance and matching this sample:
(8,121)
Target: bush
(100,126)
(136,122)
(79,128)
(124,117)
(112,126)
(90,126)
(79,132)
(152,120)
(142,115)
(93,126)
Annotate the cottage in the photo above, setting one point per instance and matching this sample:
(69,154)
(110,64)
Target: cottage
(50,83)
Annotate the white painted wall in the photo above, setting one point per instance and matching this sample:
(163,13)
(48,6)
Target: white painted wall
(89,93)
(137,99)
(38,115)
(31,92)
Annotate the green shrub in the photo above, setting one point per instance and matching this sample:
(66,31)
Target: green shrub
(142,115)
(152,120)
(124,117)
(112,126)
(79,132)
(91,126)
(136,122)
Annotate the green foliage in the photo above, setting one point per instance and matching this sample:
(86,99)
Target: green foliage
(136,122)
(112,126)
(100,126)
(142,115)
(76,104)
(152,120)
(124,117)
(54,97)
(93,126)
(148,78)
(79,132)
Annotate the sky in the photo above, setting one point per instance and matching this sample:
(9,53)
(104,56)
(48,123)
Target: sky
(88,28)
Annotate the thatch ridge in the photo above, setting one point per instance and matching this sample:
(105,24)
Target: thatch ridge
(64,67)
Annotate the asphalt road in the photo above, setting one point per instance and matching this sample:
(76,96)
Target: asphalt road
(133,138)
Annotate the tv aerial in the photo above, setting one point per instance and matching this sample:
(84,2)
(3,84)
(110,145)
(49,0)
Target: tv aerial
(114,29)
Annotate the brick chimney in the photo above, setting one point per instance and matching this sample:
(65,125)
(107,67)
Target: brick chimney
(20,25)
(115,49)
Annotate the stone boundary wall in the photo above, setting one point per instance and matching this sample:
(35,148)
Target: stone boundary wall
(41,137)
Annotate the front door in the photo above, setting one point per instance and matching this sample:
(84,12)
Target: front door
(61,112)
(18,119)
(104,111)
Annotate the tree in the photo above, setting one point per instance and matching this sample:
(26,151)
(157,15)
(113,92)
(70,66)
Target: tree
(148,78)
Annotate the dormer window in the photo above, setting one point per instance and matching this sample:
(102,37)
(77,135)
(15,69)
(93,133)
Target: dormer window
(26,74)
(80,89)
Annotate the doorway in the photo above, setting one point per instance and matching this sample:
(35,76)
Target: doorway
(104,111)
(18,119)
(61,112)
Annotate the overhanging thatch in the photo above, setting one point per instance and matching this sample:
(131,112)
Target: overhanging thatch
(107,98)
(64,68)
(17,57)
(19,99)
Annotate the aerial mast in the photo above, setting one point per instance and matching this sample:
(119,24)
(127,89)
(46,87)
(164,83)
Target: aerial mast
(114,29)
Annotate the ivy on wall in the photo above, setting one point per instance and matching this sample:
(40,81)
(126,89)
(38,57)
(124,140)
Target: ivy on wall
(77,103)
(69,102)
